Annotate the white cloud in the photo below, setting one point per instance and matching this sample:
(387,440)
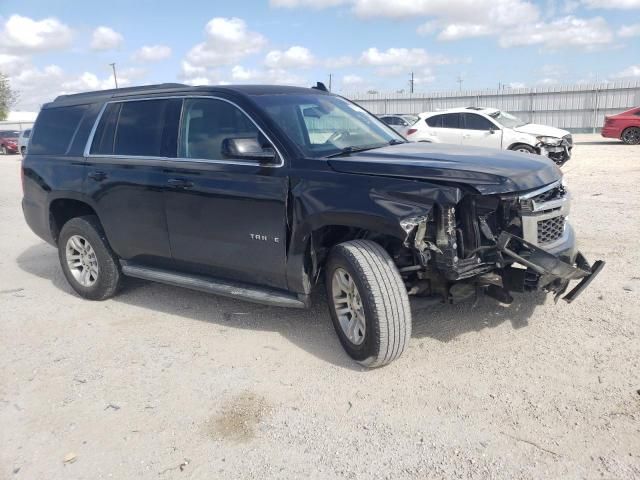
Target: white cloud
(457,31)
(338,62)
(240,74)
(227,40)
(627,31)
(294,57)
(21,35)
(631,72)
(152,53)
(40,85)
(105,38)
(399,57)
(352,80)
(564,32)
(618,4)
(516,85)
(12,64)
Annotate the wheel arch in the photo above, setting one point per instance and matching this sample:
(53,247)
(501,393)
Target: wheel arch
(64,208)
(514,145)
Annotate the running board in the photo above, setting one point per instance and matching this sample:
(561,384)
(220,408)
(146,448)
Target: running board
(240,291)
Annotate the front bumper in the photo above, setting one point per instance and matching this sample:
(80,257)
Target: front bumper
(554,271)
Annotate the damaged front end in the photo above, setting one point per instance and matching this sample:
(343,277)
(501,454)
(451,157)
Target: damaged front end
(497,243)
(557,149)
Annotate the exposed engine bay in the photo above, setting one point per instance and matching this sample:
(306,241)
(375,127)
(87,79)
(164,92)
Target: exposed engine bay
(501,243)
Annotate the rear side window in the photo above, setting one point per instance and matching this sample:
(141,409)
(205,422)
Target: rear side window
(146,128)
(477,122)
(435,121)
(54,129)
(451,120)
(26,133)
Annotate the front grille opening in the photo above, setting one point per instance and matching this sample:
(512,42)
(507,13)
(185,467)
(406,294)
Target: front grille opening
(550,230)
(552,194)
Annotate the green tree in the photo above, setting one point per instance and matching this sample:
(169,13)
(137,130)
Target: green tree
(8,97)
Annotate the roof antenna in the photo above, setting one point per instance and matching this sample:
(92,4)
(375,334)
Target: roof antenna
(320,86)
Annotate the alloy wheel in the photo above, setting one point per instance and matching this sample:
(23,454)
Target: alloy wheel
(82,260)
(348,306)
(632,136)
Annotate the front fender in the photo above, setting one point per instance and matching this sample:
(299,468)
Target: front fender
(372,203)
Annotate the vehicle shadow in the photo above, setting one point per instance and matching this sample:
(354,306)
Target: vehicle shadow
(310,330)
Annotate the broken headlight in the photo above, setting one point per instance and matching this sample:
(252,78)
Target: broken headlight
(552,141)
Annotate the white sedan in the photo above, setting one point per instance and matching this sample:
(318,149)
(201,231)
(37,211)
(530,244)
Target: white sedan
(492,128)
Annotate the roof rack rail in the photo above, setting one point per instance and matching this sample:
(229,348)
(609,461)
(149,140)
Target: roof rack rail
(116,91)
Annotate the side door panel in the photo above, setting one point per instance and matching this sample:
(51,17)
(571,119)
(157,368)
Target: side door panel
(480,132)
(126,175)
(226,218)
(446,128)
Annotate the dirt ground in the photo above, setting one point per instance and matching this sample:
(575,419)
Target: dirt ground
(162,382)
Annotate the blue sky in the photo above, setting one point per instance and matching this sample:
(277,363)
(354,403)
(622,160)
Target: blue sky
(52,46)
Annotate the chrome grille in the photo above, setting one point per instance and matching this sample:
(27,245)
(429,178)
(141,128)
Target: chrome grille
(550,230)
(552,194)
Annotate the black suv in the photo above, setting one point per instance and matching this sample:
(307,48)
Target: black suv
(255,192)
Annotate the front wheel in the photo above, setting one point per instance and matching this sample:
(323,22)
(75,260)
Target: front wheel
(522,148)
(631,136)
(3,150)
(369,304)
(88,262)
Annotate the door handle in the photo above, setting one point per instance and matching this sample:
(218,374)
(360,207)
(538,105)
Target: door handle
(179,183)
(97,176)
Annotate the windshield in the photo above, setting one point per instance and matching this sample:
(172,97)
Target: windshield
(324,125)
(507,120)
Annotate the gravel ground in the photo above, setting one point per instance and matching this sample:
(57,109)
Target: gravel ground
(162,382)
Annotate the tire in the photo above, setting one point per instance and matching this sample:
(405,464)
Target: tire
(523,148)
(631,136)
(380,295)
(3,150)
(104,275)
(23,151)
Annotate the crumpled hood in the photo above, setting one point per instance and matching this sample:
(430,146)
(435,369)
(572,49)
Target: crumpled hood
(487,170)
(540,130)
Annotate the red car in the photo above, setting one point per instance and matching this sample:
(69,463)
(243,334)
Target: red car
(625,126)
(8,141)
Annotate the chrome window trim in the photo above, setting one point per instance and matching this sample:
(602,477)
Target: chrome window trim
(87,148)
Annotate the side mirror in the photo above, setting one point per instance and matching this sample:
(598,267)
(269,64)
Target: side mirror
(492,131)
(247,149)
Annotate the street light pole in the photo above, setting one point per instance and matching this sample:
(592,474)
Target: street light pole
(115,78)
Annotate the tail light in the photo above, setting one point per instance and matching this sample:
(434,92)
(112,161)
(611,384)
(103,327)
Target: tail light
(411,131)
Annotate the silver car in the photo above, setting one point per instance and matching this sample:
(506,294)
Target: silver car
(400,123)
(23,141)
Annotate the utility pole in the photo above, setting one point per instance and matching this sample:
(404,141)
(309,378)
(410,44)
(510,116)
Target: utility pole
(115,78)
(330,77)
(411,83)
(460,80)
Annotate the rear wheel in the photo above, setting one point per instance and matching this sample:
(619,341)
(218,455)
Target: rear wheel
(3,150)
(88,263)
(23,151)
(631,136)
(368,301)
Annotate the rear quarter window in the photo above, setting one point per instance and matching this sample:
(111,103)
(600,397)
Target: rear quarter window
(54,129)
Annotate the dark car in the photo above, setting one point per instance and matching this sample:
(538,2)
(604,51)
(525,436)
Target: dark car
(9,141)
(625,126)
(260,192)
